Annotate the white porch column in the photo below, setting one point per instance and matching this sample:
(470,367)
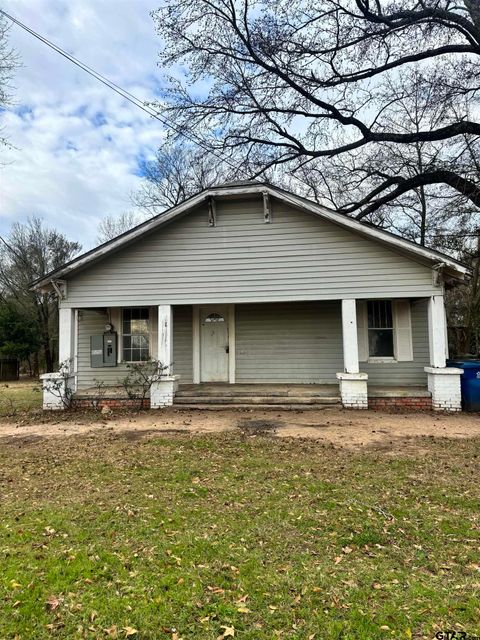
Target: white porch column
(59,386)
(66,337)
(353,384)
(437,331)
(350,338)
(443,382)
(165,336)
(162,391)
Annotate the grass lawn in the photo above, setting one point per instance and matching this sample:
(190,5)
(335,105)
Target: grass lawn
(16,397)
(230,535)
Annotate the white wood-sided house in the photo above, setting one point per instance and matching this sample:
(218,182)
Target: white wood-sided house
(248,291)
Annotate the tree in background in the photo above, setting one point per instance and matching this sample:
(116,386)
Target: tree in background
(8,63)
(177,173)
(19,335)
(293,82)
(30,252)
(111,226)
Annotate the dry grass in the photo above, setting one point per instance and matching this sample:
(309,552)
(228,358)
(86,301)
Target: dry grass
(185,536)
(20,397)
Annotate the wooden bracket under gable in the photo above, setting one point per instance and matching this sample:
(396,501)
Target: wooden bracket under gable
(212,212)
(60,288)
(267,208)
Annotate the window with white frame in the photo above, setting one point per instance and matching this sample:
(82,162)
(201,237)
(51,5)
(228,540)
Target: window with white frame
(380,329)
(136,334)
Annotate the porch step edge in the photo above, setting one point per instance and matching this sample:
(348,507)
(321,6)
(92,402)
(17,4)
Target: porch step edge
(266,407)
(231,393)
(255,400)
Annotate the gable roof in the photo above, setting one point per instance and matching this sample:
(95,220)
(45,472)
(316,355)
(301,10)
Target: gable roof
(454,268)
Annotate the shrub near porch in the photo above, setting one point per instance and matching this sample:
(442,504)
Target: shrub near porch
(235,535)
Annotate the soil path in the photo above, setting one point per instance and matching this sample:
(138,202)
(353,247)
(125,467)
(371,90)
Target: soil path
(349,429)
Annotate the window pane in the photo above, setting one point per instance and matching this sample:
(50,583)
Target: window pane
(139,326)
(380,314)
(136,334)
(380,343)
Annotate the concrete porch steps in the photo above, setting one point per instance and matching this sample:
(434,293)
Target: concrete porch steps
(256,395)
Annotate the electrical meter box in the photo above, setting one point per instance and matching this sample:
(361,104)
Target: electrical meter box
(103,350)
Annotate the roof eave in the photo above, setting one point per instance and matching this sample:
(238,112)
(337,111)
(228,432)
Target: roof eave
(454,268)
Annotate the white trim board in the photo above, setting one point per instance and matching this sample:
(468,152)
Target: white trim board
(457,269)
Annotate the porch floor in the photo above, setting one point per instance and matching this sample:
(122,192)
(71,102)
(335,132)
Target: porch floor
(241,394)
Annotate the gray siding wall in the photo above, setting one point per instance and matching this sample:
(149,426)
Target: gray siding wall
(299,342)
(92,321)
(183,343)
(302,343)
(290,343)
(297,257)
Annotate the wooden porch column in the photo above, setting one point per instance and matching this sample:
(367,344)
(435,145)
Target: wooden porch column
(165,336)
(67,337)
(350,339)
(437,332)
(353,384)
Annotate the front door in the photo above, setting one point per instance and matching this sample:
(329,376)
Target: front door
(214,344)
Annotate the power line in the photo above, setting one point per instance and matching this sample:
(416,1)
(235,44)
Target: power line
(119,90)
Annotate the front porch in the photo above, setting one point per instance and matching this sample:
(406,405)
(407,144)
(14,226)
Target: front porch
(265,396)
(312,353)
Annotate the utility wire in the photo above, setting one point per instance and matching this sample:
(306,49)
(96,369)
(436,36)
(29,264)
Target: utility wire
(118,89)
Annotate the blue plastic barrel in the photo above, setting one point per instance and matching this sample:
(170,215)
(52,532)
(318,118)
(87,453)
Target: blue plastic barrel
(470,382)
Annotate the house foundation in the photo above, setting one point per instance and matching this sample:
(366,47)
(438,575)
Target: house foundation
(353,390)
(444,385)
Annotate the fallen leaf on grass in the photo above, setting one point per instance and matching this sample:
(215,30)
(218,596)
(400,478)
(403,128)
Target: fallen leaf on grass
(243,609)
(130,631)
(112,632)
(228,632)
(242,599)
(53,603)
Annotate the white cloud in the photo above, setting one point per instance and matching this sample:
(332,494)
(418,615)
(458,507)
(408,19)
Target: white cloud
(77,143)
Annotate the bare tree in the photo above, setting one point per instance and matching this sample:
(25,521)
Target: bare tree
(427,214)
(8,63)
(292,82)
(178,172)
(112,226)
(29,252)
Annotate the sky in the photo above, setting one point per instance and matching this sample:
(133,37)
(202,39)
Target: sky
(78,146)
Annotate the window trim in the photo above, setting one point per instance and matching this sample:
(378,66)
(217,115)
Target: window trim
(122,334)
(382,359)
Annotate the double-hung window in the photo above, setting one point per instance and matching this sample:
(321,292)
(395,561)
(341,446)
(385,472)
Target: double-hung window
(136,334)
(380,329)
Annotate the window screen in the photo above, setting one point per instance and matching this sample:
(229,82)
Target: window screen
(136,334)
(380,329)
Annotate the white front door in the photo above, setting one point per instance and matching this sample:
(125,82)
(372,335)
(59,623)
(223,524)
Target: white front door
(214,344)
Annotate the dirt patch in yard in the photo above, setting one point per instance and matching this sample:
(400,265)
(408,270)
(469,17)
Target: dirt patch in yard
(341,428)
